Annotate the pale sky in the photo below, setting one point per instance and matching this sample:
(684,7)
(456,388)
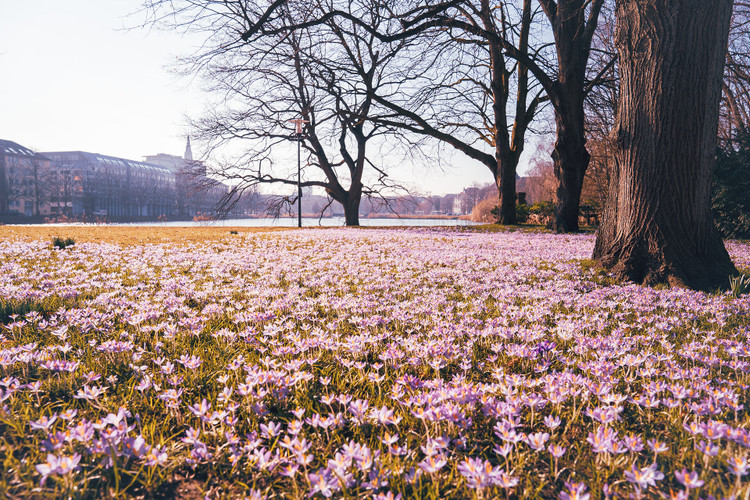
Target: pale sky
(73,79)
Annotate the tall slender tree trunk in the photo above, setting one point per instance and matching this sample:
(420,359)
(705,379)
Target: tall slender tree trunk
(505,168)
(573,23)
(657,225)
(570,159)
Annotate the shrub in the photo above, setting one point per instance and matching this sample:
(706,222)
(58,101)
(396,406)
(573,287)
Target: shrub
(522,212)
(541,212)
(485,211)
(60,243)
(542,208)
(730,200)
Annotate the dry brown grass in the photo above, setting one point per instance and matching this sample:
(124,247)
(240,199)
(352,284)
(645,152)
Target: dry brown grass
(127,235)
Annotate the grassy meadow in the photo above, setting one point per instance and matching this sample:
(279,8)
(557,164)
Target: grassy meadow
(350,363)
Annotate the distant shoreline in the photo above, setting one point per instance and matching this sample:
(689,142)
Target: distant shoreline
(38,220)
(369,216)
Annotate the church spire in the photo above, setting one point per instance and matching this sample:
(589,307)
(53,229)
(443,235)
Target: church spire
(188,151)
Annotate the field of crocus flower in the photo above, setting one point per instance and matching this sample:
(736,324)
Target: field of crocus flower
(364,364)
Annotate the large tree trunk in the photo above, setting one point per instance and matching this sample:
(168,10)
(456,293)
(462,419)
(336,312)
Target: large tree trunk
(571,160)
(573,26)
(505,169)
(351,208)
(505,180)
(657,226)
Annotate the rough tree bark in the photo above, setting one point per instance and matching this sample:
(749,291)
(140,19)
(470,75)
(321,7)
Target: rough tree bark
(570,157)
(657,226)
(505,180)
(508,147)
(573,29)
(506,163)
(351,208)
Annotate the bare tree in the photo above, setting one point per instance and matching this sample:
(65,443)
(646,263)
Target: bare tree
(60,187)
(657,226)
(573,23)
(540,182)
(600,109)
(735,103)
(320,76)
(39,188)
(468,94)
(24,179)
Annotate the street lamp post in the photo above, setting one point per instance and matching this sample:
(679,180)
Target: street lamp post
(299,181)
(298,122)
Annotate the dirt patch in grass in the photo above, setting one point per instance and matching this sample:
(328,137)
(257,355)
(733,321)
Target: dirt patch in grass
(184,488)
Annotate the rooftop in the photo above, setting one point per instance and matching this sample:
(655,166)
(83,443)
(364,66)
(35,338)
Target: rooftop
(13,148)
(114,161)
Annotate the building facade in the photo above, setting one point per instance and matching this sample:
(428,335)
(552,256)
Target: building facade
(94,185)
(82,185)
(24,175)
(197,194)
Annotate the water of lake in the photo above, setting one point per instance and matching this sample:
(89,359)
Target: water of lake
(306,222)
